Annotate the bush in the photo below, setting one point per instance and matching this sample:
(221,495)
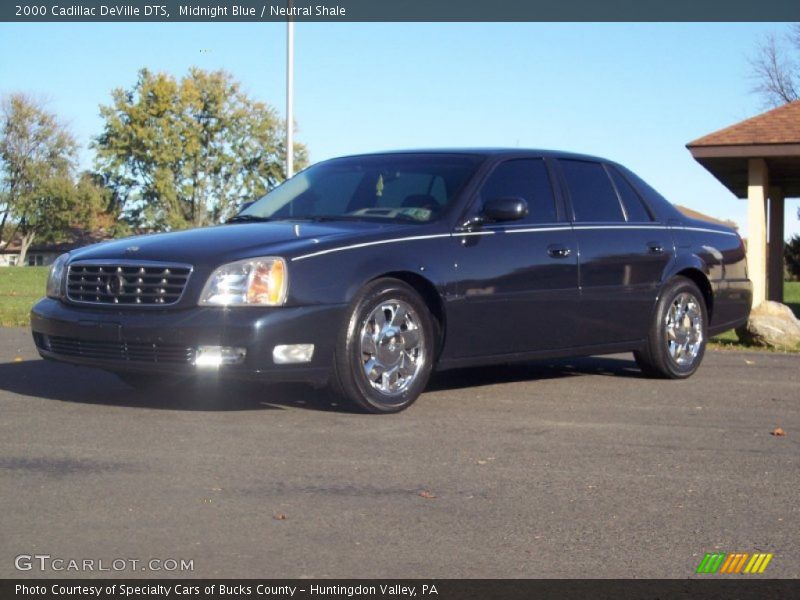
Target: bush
(791,255)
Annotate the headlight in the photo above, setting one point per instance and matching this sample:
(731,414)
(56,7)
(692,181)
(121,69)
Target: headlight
(56,277)
(251,282)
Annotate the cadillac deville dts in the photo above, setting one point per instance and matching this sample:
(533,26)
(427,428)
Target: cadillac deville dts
(368,272)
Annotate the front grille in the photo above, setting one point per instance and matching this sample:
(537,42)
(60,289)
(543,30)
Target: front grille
(120,351)
(126,283)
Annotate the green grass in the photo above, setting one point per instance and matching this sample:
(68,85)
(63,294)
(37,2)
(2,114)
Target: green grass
(791,296)
(20,288)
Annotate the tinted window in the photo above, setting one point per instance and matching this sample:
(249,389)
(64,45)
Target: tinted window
(331,196)
(634,207)
(400,187)
(411,189)
(593,197)
(527,179)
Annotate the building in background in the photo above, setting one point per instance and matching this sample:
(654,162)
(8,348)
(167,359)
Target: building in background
(44,254)
(759,159)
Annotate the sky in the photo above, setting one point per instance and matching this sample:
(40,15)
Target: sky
(634,93)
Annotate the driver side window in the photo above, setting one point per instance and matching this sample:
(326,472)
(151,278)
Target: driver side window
(525,178)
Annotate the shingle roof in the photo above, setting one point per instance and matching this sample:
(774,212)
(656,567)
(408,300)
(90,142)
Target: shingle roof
(76,238)
(694,214)
(777,126)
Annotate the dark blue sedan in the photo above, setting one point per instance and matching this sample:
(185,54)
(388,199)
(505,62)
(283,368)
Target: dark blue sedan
(367,272)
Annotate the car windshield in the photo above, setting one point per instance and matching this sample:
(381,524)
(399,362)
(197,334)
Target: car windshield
(396,187)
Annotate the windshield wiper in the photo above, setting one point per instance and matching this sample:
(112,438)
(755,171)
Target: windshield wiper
(366,217)
(247,219)
(320,218)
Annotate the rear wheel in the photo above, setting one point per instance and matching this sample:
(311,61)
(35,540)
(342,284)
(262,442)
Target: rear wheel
(677,339)
(383,358)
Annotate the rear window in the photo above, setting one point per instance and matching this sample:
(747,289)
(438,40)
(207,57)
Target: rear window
(593,197)
(634,207)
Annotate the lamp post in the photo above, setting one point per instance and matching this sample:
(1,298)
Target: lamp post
(289,96)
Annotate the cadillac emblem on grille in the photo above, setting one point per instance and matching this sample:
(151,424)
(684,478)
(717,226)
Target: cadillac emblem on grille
(115,284)
(126,282)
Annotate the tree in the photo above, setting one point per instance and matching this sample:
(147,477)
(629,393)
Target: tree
(791,254)
(95,207)
(36,160)
(776,68)
(186,153)
(47,214)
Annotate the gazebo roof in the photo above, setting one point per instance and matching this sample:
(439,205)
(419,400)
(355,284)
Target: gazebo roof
(773,136)
(778,126)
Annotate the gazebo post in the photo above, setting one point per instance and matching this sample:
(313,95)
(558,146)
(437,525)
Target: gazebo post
(757,193)
(747,158)
(775,253)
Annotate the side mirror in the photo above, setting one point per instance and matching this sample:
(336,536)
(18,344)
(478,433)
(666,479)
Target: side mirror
(505,209)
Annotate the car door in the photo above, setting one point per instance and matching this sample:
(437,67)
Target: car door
(622,253)
(517,281)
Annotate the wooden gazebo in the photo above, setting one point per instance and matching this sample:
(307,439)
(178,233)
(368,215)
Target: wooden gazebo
(759,159)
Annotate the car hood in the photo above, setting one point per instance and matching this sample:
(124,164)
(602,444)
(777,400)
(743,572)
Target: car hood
(224,243)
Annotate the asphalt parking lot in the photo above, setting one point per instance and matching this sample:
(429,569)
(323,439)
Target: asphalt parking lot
(578,468)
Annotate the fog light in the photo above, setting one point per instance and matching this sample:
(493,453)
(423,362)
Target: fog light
(293,353)
(215,356)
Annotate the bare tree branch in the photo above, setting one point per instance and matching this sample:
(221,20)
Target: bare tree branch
(776,73)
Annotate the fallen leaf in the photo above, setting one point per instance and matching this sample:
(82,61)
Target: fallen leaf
(18,359)
(778,432)
(427,495)
(482,462)
(279,517)
(749,362)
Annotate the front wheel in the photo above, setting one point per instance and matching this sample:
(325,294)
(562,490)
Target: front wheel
(676,342)
(384,356)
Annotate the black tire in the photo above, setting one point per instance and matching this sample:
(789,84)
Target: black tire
(657,357)
(410,375)
(148,382)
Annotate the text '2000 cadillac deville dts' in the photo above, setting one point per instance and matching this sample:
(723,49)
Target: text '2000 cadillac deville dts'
(368,272)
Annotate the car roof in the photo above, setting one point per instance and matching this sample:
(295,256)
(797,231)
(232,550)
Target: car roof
(484,151)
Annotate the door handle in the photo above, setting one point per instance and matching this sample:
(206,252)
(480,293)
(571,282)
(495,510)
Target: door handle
(558,251)
(655,247)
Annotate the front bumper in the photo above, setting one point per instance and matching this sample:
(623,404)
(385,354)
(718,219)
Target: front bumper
(164,341)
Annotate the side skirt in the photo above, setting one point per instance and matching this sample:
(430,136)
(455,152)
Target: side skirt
(575,352)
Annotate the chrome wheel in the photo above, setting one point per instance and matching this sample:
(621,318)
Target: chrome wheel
(684,329)
(392,347)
